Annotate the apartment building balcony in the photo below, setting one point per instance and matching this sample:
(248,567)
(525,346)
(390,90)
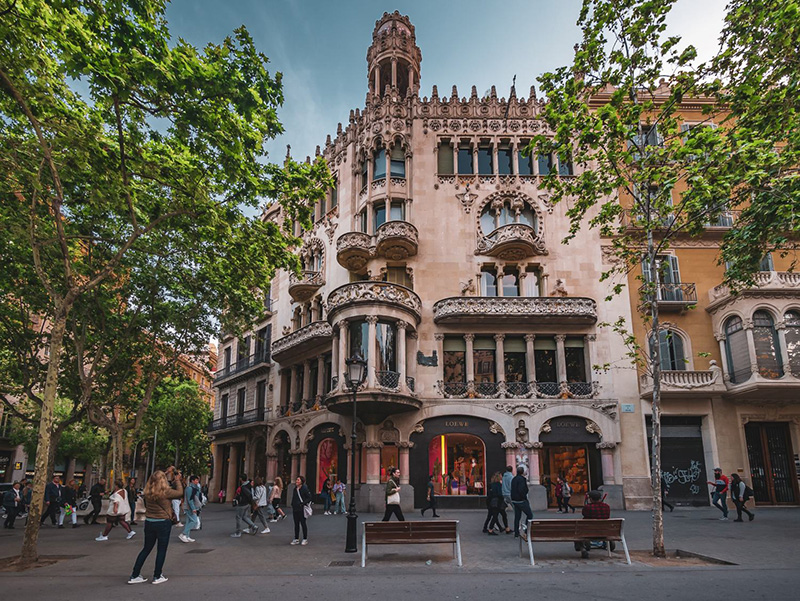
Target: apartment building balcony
(243,368)
(303,341)
(396,240)
(518,390)
(354,250)
(675,297)
(375,404)
(383,298)
(517,309)
(685,384)
(511,242)
(768,284)
(303,287)
(757,388)
(239,420)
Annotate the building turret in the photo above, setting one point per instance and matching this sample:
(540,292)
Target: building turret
(393,59)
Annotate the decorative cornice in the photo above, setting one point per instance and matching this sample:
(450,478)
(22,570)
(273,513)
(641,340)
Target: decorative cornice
(316,330)
(767,284)
(576,309)
(358,293)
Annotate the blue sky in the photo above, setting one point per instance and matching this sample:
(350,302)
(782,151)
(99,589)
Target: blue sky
(320,47)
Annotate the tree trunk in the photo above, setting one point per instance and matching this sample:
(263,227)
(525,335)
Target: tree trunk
(117,437)
(30,553)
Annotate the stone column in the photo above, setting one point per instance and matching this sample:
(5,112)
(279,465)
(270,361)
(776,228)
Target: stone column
(301,464)
(515,158)
(535,476)
(342,354)
(751,345)
(306,380)
(499,358)
(413,348)
(500,275)
(293,392)
(233,476)
(530,363)
(469,338)
(475,160)
(780,327)
(545,288)
(607,461)
(403,449)
(295,453)
(372,362)
(439,338)
(561,363)
(411,78)
(373,462)
(335,360)
(726,376)
(378,91)
(314,310)
(394,73)
(401,355)
(588,350)
(320,377)
(272,466)
(216,481)
(511,454)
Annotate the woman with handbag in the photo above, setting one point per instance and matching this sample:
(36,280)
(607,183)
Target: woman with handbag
(393,496)
(301,509)
(159,518)
(118,508)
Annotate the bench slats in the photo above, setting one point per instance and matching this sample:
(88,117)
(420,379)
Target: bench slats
(403,533)
(572,530)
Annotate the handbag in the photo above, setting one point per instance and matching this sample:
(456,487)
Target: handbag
(307,511)
(393,499)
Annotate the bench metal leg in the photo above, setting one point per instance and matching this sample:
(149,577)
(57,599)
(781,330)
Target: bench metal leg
(364,548)
(625,546)
(608,547)
(530,545)
(458,548)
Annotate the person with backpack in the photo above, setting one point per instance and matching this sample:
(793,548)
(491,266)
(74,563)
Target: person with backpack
(243,501)
(740,494)
(118,510)
(192,502)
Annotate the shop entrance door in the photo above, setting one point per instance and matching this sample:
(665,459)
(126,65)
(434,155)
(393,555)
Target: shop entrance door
(772,472)
(570,462)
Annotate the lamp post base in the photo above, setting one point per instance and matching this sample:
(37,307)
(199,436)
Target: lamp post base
(351,545)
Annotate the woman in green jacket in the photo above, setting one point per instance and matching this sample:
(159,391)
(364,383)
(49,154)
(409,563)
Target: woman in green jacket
(393,496)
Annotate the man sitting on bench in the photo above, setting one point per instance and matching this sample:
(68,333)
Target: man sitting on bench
(595,509)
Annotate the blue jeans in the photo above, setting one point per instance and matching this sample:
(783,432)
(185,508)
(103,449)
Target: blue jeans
(191,522)
(154,531)
(326,499)
(521,507)
(339,507)
(243,515)
(720,501)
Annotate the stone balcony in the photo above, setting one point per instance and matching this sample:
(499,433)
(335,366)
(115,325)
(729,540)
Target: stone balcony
(303,287)
(680,384)
(240,420)
(675,297)
(375,405)
(383,297)
(517,309)
(243,368)
(394,240)
(302,341)
(763,390)
(512,242)
(518,390)
(767,284)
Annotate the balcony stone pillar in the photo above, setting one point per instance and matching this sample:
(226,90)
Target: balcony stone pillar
(500,275)
(342,354)
(394,73)
(530,363)
(499,358)
(607,461)
(377,89)
(726,376)
(373,462)
(302,468)
(588,351)
(780,327)
(534,475)
(335,359)
(515,158)
(401,355)
(295,471)
(372,359)
(403,449)
(469,339)
(439,338)
(233,475)
(320,377)
(545,287)
(272,466)
(216,481)
(412,356)
(751,345)
(561,362)
(294,394)
(306,380)
(314,310)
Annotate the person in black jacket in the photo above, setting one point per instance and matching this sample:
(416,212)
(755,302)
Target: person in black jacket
(244,505)
(519,499)
(301,498)
(96,495)
(69,496)
(52,500)
(132,495)
(430,498)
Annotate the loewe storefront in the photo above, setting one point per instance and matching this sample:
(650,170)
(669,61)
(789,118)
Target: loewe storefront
(461,454)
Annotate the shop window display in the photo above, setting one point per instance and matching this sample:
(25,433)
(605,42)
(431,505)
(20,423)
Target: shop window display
(327,456)
(389,458)
(458,464)
(569,462)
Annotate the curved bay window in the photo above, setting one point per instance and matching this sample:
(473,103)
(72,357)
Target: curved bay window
(767,347)
(496,215)
(386,359)
(397,163)
(736,349)
(379,165)
(671,346)
(792,320)
(359,339)
(458,464)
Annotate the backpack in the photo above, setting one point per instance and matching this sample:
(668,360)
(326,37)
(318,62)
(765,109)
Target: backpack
(748,493)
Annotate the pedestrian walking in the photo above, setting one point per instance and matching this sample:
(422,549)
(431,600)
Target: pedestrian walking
(719,496)
(559,497)
(494,501)
(69,496)
(243,502)
(176,506)
(96,495)
(393,496)
(261,503)
(326,492)
(118,509)
(566,495)
(52,500)
(508,476)
(740,494)
(159,491)
(275,499)
(519,500)
(301,510)
(192,503)
(13,504)
(664,495)
(338,492)
(430,498)
(133,496)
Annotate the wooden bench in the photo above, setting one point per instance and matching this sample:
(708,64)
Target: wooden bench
(410,533)
(575,530)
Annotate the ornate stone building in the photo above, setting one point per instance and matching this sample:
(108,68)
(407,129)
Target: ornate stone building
(438,258)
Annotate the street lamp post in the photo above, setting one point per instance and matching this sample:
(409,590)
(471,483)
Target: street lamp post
(354,377)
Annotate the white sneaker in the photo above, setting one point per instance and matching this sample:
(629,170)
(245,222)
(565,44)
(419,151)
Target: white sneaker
(183,538)
(131,534)
(272,521)
(305,541)
(265,531)
(723,519)
(295,542)
(137,580)
(179,525)
(101,538)
(160,579)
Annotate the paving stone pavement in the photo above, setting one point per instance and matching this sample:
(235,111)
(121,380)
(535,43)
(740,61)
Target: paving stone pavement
(216,560)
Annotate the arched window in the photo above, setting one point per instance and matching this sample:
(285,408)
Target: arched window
(768,355)
(379,165)
(792,320)
(495,215)
(671,346)
(736,349)
(457,463)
